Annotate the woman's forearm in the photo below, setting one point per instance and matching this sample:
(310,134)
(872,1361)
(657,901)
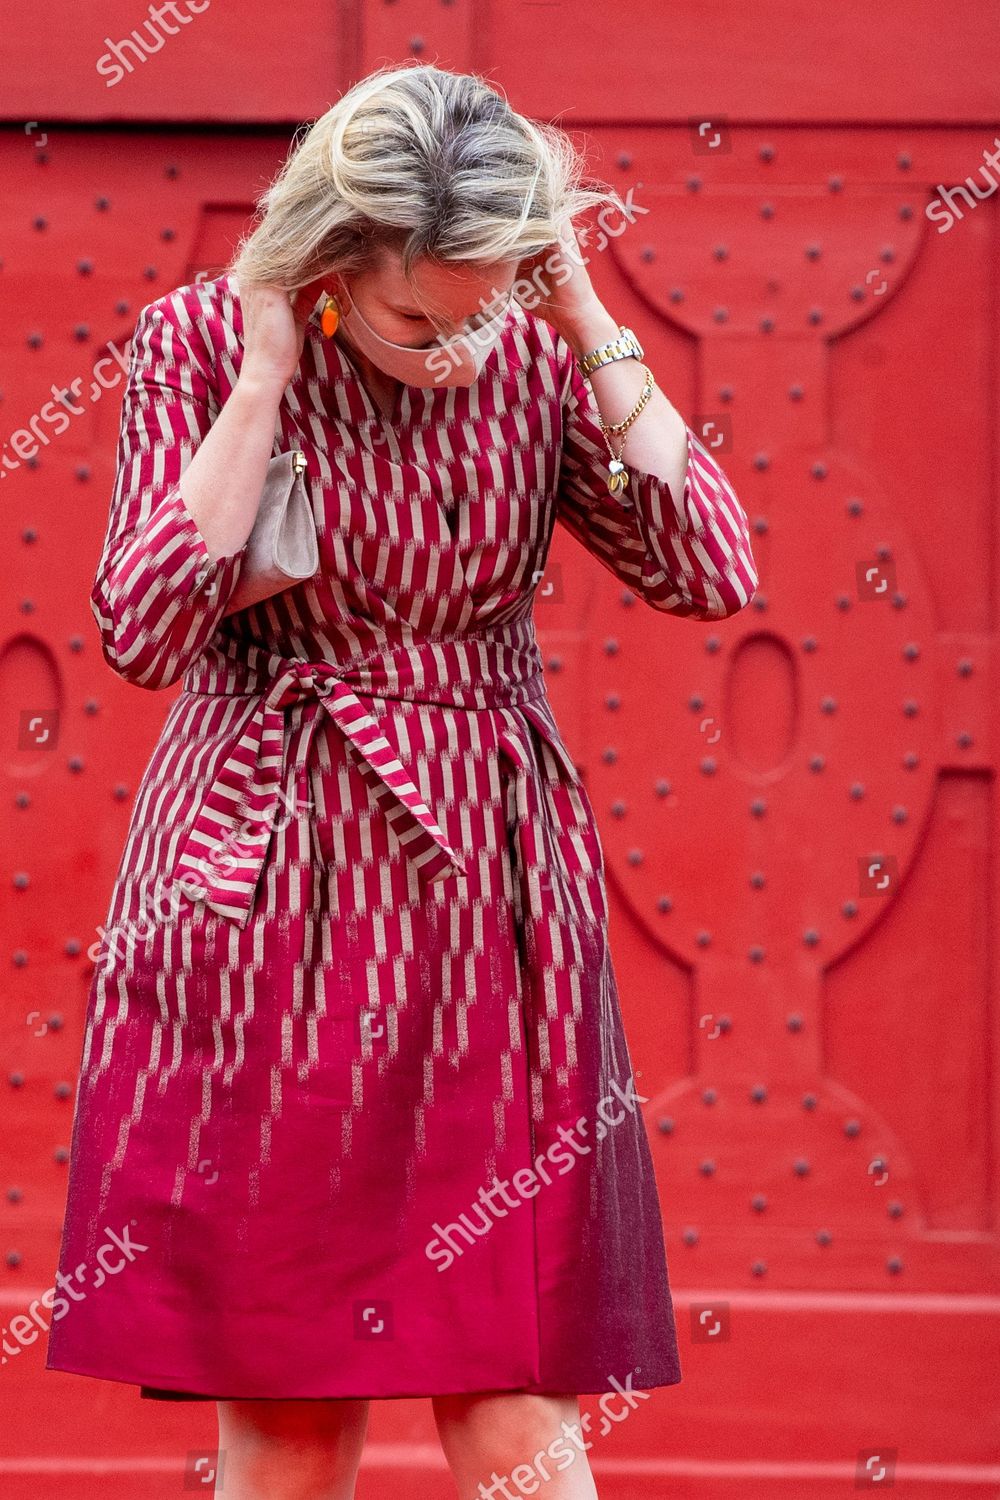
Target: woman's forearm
(222,485)
(657,441)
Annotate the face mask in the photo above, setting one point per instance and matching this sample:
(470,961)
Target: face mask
(455,362)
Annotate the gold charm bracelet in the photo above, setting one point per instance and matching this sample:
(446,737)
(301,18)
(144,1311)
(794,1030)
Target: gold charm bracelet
(617,475)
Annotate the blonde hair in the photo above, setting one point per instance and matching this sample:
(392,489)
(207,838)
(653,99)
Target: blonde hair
(423,161)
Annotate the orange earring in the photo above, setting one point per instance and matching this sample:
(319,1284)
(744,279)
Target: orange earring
(329,320)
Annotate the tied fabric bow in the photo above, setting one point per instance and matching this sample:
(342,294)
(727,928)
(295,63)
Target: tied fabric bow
(222,857)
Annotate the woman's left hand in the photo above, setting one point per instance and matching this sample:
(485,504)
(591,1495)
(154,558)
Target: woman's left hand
(560,289)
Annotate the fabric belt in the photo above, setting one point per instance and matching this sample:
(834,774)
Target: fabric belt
(222,857)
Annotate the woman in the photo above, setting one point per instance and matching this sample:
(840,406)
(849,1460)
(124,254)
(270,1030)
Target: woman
(356,1107)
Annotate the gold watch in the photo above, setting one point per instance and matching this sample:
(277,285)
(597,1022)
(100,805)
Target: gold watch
(625,346)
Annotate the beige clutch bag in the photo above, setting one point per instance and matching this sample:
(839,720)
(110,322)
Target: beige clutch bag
(282,549)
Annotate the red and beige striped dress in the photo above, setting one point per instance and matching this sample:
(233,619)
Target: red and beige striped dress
(355,1101)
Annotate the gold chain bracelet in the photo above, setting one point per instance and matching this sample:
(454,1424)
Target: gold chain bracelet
(617,475)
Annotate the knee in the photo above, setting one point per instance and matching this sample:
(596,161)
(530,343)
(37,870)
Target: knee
(501,1424)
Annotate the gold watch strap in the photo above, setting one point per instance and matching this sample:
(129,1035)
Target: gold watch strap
(625,346)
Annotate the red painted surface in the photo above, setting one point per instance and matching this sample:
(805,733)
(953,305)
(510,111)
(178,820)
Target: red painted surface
(818,1044)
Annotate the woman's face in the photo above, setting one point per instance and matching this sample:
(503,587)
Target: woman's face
(445,300)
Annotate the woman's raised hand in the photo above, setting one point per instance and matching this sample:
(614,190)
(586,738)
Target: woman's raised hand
(274,329)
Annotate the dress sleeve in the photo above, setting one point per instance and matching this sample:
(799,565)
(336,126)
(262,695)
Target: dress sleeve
(684,555)
(157,597)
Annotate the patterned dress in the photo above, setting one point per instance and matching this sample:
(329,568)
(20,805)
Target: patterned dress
(356,1114)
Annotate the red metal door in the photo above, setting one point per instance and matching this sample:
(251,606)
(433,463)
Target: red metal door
(796,804)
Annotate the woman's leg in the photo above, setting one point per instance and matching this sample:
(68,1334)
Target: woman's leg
(290,1450)
(533,1444)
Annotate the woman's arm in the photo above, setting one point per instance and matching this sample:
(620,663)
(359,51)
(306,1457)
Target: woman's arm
(187,489)
(677,535)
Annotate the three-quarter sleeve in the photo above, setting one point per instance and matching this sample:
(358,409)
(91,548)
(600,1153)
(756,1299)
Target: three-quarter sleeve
(157,596)
(686,554)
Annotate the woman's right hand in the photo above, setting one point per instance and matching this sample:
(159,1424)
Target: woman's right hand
(274,330)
